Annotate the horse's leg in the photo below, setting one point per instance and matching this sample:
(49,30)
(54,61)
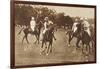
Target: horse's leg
(51,46)
(23,39)
(54,36)
(39,35)
(20,31)
(26,38)
(92,45)
(78,40)
(69,40)
(82,47)
(45,48)
(42,44)
(42,47)
(48,49)
(89,49)
(38,38)
(42,51)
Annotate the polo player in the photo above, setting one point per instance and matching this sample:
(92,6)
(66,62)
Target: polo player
(46,24)
(47,27)
(86,26)
(74,27)
(32,24)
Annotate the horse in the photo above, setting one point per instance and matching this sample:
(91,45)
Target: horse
(81,35)
(85,38)
(48,38)
(28,30)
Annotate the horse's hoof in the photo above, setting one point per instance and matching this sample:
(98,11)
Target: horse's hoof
(68,45)
(47,54)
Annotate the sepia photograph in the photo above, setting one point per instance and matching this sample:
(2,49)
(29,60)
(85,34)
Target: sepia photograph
(45,34)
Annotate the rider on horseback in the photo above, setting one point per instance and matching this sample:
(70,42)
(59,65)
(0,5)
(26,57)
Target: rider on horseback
(32,24)
(47,26)
(86,25)
(74,27)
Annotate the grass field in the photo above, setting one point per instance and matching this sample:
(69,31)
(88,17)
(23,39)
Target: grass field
(29,54)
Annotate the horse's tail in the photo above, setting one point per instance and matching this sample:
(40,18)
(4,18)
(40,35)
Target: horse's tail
(20,31)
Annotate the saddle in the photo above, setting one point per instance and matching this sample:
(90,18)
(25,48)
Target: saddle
(30,30)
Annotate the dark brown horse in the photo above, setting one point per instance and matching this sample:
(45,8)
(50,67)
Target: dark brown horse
(48,38)
(28,30)
(81,35)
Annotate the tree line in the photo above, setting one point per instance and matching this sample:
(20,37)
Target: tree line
(23,14)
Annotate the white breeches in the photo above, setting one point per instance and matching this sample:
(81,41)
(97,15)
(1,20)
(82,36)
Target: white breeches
(75,28)
(42,34)
(33,28)
(44,31)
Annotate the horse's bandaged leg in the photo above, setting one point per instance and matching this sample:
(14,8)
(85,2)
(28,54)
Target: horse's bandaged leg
(41,36)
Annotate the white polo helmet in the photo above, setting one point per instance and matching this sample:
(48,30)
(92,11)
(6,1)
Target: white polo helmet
(76,19)
(32,18)
(81,18)
(46,18)
(85,18)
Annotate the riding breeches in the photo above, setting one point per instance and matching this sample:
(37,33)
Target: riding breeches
(44,31)
(33,28)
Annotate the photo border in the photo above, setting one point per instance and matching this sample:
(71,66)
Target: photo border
(12,32)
